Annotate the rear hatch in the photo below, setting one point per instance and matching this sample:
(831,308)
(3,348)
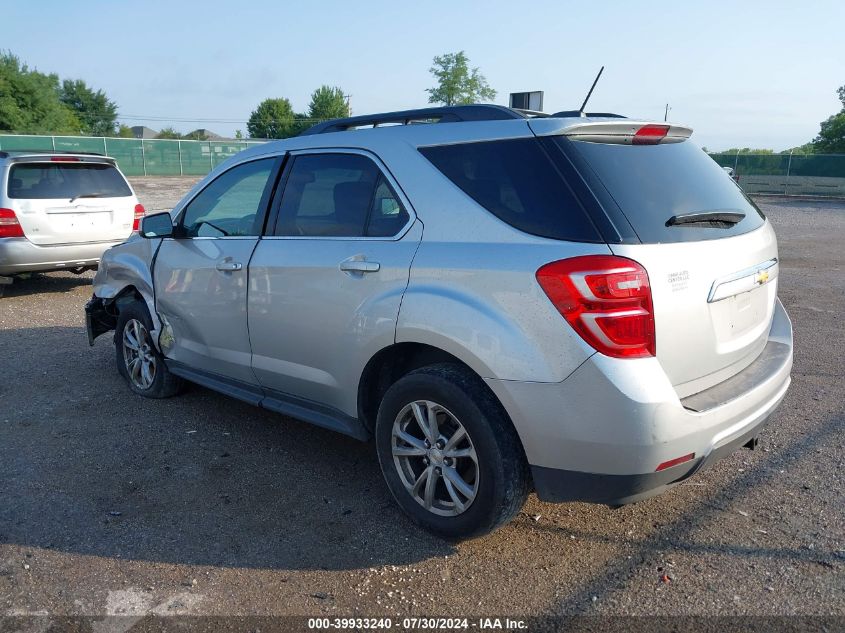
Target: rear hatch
(70,200)
(710,254)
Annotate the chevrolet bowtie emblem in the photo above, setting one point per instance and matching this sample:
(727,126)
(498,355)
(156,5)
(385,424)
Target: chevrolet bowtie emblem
(762,277)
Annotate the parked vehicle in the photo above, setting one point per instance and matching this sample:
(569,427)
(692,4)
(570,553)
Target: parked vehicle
(730,172)
(580,305)
(61,211)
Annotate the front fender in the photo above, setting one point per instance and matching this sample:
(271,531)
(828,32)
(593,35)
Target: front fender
(129,265)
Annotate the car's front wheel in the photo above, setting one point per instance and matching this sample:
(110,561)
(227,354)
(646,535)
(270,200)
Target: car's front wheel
(449,453)
(138,360)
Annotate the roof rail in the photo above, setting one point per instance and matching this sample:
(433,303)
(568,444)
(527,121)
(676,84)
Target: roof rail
(578,114)
(20,152)
(446,114)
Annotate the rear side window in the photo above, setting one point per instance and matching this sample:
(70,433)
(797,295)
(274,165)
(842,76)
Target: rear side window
(55,181)
(338,195)
(652,184)
(516,181)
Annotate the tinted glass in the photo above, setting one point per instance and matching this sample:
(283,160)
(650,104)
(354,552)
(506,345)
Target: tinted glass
(327,195)
(66,180)
(652,183)
(232,204)
(517,182)
(387,215)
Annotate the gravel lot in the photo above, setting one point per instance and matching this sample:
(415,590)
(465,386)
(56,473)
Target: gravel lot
(113,504)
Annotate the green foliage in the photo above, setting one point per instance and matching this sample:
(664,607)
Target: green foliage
(328,103)
(29,101)
(170,133)
(274,118)
(94,110)
(747,150)
(239,134)
(831,137)
(124,131)
(457,84)
(806,148)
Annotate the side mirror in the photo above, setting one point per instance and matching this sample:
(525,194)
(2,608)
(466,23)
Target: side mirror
(156,225)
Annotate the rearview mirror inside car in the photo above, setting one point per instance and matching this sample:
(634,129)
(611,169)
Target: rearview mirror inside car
(156,225)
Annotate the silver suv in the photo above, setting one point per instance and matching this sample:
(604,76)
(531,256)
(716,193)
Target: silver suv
(61,211)
(585,306)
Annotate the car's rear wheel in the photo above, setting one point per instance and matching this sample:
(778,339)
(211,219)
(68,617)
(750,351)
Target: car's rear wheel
(138,360)
(449,453)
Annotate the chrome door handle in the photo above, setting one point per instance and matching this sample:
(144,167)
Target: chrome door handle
(359,266)
(228,267)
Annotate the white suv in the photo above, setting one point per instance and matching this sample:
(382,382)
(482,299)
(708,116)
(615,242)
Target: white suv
(61,211)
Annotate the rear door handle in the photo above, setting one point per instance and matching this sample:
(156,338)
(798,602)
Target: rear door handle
(229,266)
(359,266)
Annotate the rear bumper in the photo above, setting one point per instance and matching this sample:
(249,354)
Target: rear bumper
(600,435)
(19,255)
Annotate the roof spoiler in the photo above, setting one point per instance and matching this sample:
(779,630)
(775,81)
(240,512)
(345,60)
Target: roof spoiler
(626,132)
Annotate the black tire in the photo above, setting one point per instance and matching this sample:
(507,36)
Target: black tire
(503,475)
(164,384)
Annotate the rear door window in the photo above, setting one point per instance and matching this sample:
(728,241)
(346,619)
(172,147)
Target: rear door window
(56,181)
(338,195)
(516,181)
(651,184)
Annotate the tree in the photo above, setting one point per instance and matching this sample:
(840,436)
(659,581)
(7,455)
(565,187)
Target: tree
(238,134)
(274,118)
(169,133)
(328,103)
(747,150)
(831,138)
(29,101)
(94,110)
(457,84)
(124,131)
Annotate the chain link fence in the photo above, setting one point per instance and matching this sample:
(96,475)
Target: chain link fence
(787,174)
(137,157)
(774,174)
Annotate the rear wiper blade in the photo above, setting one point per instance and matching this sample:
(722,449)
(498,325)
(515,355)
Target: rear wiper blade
(95,194)
(713,218)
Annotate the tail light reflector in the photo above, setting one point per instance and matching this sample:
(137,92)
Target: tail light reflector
(674,462)
(9,224)
(139,213)
(65,159)
(650,134)
(606,299)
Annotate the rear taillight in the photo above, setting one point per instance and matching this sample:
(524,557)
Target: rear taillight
(9,225)
(139,213)
(650,134)
(65,159)
(606,299)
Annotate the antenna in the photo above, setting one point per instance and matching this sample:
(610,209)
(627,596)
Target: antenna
(589,94)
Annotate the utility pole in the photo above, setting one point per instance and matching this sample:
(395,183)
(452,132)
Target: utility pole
(666,113)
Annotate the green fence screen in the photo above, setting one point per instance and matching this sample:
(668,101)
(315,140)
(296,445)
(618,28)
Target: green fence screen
(779,174)
(136,157)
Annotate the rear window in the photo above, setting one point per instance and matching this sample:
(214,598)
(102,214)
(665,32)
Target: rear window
(653,183)
(42,181)
(516,181)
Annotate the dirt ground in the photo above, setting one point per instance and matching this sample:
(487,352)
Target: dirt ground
(200,504)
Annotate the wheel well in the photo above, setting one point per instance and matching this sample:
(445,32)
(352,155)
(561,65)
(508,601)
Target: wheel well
(390,364)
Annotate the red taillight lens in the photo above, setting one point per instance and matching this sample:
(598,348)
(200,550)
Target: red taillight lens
(65,159)
(650,134)
(606,299)
(9,225)
(139,213)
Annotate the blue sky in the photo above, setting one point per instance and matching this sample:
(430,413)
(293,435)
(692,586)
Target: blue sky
(760,74)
